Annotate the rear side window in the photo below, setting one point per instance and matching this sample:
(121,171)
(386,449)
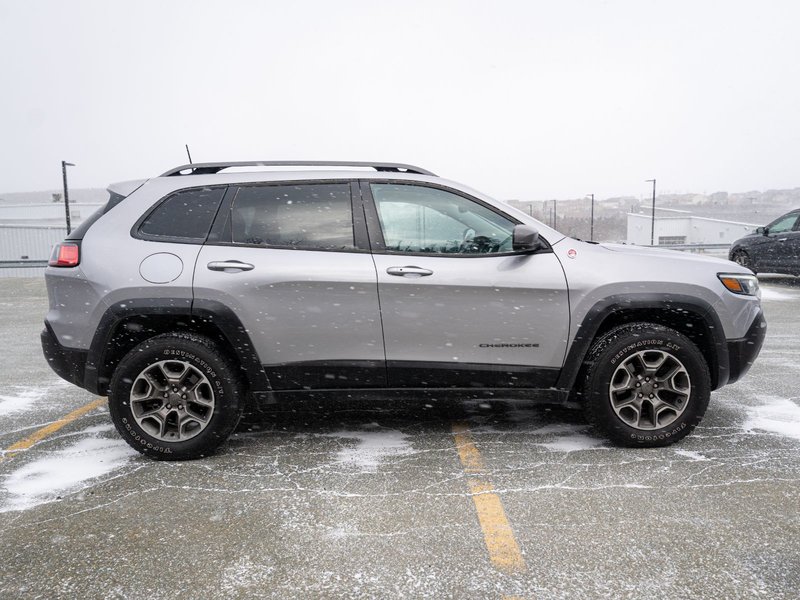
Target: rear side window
(185,215)
(307,216)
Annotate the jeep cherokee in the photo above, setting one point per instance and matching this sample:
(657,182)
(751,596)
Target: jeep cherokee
(191,295)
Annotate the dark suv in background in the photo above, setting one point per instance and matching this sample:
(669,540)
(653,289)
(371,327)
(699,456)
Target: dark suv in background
(771,249)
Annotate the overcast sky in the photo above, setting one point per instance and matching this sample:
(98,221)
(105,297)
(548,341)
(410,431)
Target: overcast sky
(528,100)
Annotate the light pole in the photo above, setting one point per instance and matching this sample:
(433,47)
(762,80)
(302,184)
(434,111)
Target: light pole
(591,225)
(653,217)
(555,212)
(64,165)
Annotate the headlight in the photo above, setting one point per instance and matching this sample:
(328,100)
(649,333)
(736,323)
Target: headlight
(746,285)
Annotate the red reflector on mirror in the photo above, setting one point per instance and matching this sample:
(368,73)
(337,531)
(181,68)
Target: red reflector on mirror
(65,255)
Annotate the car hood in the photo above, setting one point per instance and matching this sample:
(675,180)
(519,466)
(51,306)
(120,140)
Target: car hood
(666,253)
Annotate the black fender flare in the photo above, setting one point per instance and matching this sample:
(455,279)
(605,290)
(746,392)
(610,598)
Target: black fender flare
(671,304)
(187,314)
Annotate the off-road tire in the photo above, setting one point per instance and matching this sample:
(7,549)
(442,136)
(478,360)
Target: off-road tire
(621,346)
(203,358)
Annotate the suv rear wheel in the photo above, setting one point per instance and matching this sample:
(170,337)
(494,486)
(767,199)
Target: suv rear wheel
(646,385)
(175,397)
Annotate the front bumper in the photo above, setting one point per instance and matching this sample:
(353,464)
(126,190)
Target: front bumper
(68,363)
(743,352)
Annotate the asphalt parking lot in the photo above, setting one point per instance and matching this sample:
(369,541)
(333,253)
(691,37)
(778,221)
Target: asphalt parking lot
(355,499)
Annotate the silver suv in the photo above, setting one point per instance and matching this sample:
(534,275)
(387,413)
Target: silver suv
(192,295)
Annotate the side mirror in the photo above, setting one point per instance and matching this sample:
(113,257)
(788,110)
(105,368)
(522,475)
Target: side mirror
(525,237)
(762,230)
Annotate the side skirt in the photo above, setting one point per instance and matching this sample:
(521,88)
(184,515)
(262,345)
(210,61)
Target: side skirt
(416,376)
(382,396)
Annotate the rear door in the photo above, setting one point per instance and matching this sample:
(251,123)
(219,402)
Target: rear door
(460,308)
(292,261)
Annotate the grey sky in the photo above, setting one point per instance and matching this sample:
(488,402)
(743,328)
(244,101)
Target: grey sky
(519,99)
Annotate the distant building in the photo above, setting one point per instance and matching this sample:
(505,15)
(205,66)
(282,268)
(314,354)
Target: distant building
(45,213)
(681,227)
(29,231)
(29,242)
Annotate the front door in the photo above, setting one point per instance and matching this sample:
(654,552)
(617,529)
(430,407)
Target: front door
(776,253)
(459,307)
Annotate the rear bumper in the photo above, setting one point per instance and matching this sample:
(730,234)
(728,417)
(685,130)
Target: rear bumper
(68,363)
(743,352)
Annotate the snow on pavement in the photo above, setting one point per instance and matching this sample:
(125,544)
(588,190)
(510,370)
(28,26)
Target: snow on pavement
(572,443)
(691,454)
(775,415)
(373,446)
(19,398)
(19,402)
(66,470)
(772,294)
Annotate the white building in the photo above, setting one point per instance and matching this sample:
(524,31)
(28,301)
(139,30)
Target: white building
(29,232)
(681,227)
(46,213)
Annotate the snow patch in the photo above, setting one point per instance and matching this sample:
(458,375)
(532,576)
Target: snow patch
(24,397)
(14,404)
(778,415)
(691,454)
(372,447)
(558,428)
(246,573)
(337,533)
(64,470)
(770,294)
(572,443)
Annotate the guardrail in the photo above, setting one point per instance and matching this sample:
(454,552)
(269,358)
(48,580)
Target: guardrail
(22,264)
(693,246)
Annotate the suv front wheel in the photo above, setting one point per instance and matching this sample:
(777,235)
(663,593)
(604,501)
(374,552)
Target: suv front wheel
(645,385)
(175,397)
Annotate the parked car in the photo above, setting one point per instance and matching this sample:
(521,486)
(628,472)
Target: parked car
(771,249)
(196,293)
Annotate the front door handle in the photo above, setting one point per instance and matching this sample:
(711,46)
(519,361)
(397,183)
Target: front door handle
(409,271)
(230,266)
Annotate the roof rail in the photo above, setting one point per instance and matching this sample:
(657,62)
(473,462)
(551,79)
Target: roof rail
(216,167)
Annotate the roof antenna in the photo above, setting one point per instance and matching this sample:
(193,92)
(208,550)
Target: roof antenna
(189,153)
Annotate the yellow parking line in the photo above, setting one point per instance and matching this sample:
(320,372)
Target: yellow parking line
(498,535)
(42,433)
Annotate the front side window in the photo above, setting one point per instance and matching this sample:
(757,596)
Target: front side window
(783,224)
(433,221)
(305,216)
(186,214)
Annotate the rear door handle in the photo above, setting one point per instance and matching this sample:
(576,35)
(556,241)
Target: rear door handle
(409,271)
(230,266)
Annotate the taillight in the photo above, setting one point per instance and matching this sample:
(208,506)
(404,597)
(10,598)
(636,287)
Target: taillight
(66,254)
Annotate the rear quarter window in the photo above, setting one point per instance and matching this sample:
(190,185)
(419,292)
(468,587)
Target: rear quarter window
(184,216)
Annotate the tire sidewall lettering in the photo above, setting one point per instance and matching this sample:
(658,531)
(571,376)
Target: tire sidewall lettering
(644,345)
